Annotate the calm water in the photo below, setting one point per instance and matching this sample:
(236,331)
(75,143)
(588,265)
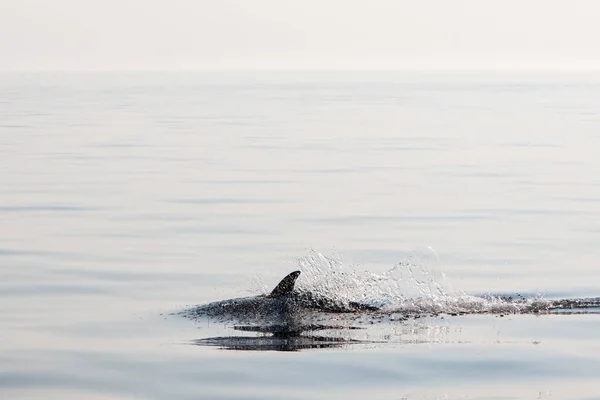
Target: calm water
(127,197)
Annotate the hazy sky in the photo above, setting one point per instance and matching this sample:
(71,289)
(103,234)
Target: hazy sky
(286,34)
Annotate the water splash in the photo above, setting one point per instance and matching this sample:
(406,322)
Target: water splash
(416,285)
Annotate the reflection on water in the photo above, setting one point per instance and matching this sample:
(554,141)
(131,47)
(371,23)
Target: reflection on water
(276,343)
(282,337)
(291,330)
(294,343)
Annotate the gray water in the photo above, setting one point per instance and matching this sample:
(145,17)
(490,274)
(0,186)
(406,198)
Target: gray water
(126,198)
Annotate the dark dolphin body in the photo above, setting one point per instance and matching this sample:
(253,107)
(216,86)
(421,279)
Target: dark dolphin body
(282,302)
(278,302)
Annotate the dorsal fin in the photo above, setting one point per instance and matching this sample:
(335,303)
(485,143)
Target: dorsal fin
(286,285)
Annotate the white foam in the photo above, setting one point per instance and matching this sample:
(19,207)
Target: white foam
(414,285)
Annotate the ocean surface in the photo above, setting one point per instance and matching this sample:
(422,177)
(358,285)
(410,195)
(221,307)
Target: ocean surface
(126,198)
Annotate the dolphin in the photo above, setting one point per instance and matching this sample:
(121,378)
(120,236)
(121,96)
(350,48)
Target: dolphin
(283,301)
(273,304)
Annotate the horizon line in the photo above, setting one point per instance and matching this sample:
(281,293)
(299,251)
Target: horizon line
(308,70)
